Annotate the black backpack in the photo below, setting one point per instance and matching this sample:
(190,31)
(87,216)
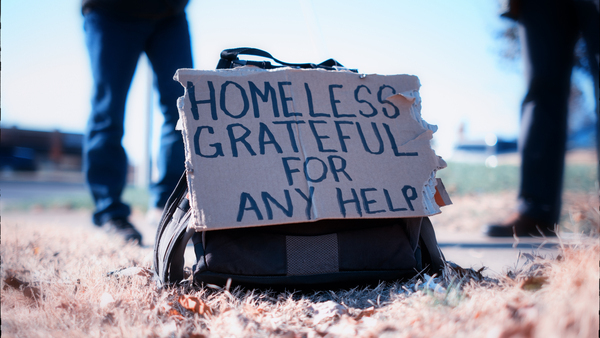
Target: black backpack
(330,253)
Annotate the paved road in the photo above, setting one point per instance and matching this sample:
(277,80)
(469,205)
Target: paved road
(13,191)
(467,249)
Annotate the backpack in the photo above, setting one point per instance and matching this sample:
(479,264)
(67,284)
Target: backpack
(329,253)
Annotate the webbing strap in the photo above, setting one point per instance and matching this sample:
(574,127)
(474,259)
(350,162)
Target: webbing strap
(174,269)
(229,57)
(171,233)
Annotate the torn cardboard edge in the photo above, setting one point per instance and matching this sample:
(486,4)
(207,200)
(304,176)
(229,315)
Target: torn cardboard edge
(217,103)
(441,195)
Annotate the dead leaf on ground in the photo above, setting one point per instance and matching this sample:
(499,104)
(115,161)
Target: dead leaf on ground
(173,313)
(67,306)
(12,281)
(195,305)
(365,313)
(533,283)
(32,292)
(195,335)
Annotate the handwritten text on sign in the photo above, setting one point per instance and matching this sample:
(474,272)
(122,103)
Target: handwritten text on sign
(286,146)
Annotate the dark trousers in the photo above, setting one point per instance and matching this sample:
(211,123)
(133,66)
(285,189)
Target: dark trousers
(549,32)
(115,45)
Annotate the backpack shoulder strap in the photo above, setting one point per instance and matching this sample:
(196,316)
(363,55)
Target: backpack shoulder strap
(172,236)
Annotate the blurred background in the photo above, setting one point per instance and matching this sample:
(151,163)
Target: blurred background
(466,57)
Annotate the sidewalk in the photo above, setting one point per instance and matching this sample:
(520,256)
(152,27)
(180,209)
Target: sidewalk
(469,250)
(465,248)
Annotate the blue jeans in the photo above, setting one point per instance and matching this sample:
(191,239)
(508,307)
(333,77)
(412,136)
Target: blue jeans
(115,44)
(549,31)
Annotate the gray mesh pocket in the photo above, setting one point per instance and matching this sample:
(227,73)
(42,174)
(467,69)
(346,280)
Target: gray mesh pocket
(311,255)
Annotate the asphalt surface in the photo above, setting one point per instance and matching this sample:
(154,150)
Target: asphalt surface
(15,191)
(467,249)
(498,255)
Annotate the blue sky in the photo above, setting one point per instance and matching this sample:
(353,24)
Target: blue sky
(449,45)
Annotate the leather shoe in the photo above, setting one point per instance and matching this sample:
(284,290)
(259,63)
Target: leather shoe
(521,226)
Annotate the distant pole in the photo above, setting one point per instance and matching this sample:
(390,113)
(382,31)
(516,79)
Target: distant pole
(145,167)
(314,29)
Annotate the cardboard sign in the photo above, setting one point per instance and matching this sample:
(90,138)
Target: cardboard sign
(289,145)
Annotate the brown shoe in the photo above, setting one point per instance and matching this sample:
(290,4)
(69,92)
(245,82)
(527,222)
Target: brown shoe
(521,226)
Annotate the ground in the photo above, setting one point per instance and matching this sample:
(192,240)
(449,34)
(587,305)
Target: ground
(63,277)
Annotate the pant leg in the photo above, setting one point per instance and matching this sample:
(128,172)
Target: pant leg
(169,49)
(588,16)
(548,36)
(114,47)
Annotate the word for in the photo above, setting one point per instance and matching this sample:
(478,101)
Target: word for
(364,202)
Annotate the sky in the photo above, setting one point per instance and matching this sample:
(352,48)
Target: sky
(450,45)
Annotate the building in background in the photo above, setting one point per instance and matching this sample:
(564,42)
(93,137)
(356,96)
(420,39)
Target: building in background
(40,155)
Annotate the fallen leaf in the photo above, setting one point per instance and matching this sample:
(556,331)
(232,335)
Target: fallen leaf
(366,313)
(14,282)
(67,306)
(173,313)
(196,335)
(32,292)
(195,305)
(533,283)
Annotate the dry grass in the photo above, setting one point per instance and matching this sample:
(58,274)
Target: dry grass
(55,283)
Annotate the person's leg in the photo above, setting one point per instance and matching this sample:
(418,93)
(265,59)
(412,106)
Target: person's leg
(169,49)
(588,16)
(114,47)
(549,36)
(548,33)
